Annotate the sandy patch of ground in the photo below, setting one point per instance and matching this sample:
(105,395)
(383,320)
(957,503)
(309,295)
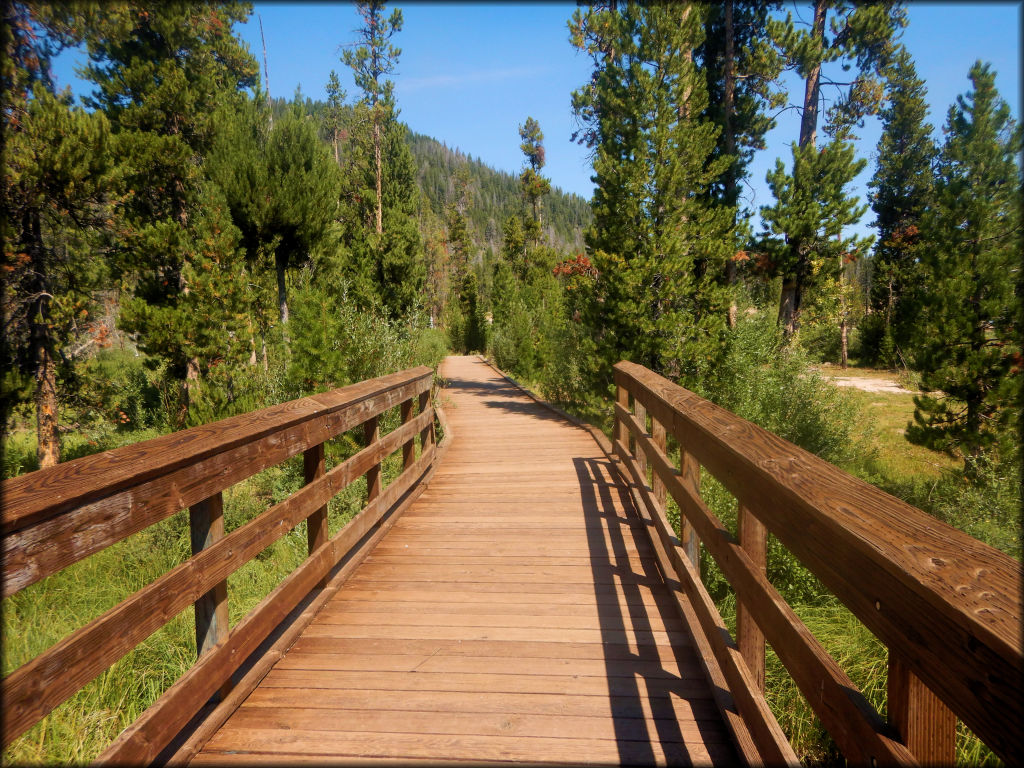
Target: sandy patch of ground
(869,384)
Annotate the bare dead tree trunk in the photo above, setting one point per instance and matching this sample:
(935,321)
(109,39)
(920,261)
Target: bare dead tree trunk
(281,264)
(792,284)
(266,72)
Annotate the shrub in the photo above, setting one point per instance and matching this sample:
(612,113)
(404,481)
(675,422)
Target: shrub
(512,342)
(769,383)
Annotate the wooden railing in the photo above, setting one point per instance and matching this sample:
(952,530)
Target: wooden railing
(55,517)
(947,606)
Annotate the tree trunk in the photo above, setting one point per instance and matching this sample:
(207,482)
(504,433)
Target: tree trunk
(843,348)
(789,306)
(731,194)
(812,87)
(281,264)
(189,390)
(48,437)
(47,434)
(683,110)
(842,312)
(380,173)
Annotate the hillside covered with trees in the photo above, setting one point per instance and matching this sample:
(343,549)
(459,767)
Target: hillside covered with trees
(179,248)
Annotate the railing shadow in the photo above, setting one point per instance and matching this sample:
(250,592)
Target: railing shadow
(633,663)
(644,686)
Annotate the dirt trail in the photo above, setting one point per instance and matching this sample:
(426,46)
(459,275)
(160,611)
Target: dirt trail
(867,383)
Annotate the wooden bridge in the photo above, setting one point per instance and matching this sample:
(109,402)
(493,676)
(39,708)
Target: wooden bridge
(517,593)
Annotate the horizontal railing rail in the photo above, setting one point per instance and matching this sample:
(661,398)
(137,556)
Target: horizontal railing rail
(947,606)
(56,517)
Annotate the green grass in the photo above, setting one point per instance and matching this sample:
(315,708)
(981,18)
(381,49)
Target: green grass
(886,416)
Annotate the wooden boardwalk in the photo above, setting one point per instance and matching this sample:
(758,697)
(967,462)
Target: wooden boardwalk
(513,613)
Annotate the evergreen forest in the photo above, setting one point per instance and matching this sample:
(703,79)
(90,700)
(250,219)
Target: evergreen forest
(180,248)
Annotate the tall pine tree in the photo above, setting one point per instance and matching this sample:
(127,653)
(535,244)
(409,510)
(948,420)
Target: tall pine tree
(740,66)
(901,191)
(968,347)
(59,188)
(658,242)
(534,186)
(388,268)
(859,37)
(161,71)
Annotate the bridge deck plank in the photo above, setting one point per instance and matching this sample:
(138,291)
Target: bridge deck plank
(513,613)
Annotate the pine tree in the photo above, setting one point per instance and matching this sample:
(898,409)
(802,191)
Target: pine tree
(860,35)
(400,267)
(371,63)
(388,268)
(161,72)
(460,245)
(535,187)
(334,118)
(901,191)
(658,243)
(59,193)
(58,198)
(305,200)
(740,67)
(812,208)
(969,340)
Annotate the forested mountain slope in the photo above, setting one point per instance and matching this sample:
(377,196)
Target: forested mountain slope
(494,196)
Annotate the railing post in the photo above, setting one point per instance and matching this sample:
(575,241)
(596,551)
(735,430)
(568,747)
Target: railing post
(753,537)
(371,432)
(641,455)
(621,430)
(408,448)
(689,470)
(206,527)
(924,723)
(658,435)
(316,523)
(427,435)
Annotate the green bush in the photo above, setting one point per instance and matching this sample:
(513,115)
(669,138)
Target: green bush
(336,343)
(118,386)
(771,384)
(512,341)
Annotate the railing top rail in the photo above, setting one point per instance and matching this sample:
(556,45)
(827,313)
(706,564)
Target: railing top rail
(36,496)
(948,603)
(942,564)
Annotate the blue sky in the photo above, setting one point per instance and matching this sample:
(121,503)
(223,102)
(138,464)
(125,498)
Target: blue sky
(470,74)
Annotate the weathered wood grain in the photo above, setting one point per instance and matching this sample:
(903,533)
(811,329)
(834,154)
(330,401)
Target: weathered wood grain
(949,605)
(316,524)
(856,727)
(50,491)
(753,537)
(35,688)
(518,589)
(758,735)
(55,517)
(142,741)
(923,722)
